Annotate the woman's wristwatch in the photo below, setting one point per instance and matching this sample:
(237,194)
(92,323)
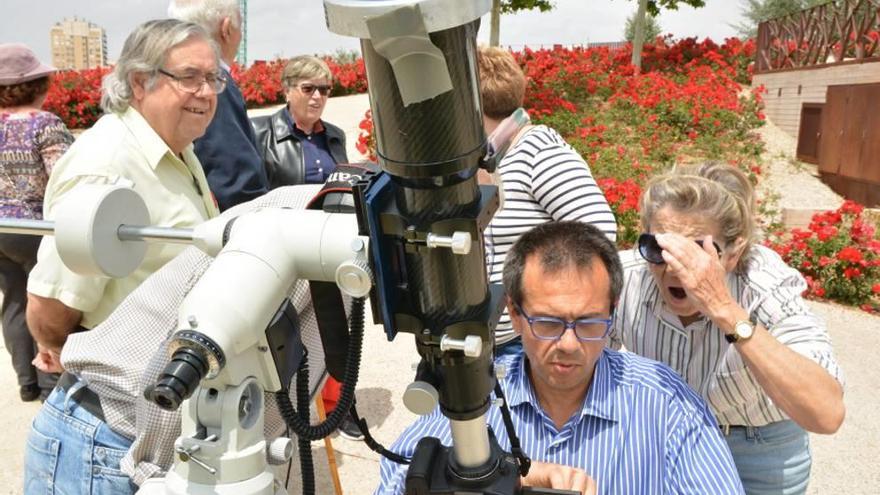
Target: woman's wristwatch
(742,331)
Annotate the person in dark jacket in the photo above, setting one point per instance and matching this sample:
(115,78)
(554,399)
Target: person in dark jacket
(228,150)
(297,146)
(300,148)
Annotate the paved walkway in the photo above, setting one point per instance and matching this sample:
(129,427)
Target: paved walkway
(844,463)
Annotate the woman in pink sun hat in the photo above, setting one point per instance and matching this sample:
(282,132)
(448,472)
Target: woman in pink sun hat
(31,140)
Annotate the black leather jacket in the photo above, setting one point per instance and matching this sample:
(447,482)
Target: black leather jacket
(282,152)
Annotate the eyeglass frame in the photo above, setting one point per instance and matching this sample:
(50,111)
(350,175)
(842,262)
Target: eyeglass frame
(177,79)
(323,89)
(648,242)
(566,325)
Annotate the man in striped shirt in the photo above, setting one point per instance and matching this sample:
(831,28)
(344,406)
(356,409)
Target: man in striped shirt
(591,418)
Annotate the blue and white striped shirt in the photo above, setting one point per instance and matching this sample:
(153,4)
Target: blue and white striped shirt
(640,430)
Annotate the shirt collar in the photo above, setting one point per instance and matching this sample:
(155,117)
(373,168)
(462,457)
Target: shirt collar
(225,66)
(600,396)
(153,147)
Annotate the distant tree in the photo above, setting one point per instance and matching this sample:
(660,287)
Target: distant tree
(652,27)
(509,7)
(652,7)
(757,11)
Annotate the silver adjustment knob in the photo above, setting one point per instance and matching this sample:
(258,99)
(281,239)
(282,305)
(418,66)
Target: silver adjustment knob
(279,451)
(471,346)
(355,278)
(459,242)
(421,398)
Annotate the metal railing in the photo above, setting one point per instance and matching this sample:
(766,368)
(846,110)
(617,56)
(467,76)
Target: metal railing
(830,33)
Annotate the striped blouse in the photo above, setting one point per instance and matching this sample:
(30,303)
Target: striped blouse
(769,290)
(543,179)
(640,430)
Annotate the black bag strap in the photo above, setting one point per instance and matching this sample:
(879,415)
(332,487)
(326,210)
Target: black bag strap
(335,197)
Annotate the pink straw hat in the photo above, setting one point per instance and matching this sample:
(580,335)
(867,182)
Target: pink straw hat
(18,64)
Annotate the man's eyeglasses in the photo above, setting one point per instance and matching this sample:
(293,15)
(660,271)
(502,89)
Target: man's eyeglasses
(192,83)
(652,252)
(308,89)
(552,328)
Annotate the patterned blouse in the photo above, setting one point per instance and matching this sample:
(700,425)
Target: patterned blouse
(29,146)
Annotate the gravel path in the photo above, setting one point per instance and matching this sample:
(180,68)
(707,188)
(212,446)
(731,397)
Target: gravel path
(796,184)
(846,462)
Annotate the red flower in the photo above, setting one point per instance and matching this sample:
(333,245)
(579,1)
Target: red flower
(851,254)
(826,232)
(875,288)
(825,261)
(851,273)
(851,207)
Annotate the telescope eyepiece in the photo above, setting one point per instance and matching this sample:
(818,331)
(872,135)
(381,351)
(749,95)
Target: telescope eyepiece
(179,380)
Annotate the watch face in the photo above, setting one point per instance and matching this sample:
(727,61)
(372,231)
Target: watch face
(744,329)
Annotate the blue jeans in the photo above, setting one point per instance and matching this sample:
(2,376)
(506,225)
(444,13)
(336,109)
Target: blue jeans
(69,451)
(772,459)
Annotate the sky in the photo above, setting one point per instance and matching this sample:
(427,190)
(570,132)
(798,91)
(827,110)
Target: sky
(291,27)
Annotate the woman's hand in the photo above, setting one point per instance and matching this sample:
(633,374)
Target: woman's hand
(701,274)
(545,475)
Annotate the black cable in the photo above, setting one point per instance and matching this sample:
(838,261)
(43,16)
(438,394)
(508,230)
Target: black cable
(302,428)
(521,458)
(307,466)
(372,443)
(289,464)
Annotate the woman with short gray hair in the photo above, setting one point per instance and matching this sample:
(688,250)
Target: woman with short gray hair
(727,315)
(297,146)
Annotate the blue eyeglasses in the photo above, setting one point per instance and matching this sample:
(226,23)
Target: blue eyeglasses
(552,328)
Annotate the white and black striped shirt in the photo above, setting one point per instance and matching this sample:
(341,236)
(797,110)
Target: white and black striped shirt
(543,179)
(769,290)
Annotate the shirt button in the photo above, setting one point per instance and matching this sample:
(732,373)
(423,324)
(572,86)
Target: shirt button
(317,161)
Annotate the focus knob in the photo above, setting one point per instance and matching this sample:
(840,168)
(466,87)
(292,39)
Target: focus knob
(279,451)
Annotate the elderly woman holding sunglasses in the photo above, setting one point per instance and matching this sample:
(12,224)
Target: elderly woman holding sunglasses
(728,316)
(297,146)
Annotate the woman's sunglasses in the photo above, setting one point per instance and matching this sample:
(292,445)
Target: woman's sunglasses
(308,89)
(652,252)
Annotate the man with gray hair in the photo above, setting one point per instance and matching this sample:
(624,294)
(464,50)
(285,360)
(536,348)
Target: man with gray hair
(228,150)
(160,96)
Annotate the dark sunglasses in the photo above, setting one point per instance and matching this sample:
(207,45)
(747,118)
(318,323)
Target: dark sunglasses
(308,89)
(651,250)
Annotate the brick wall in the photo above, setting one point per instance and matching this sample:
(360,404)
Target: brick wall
(787,90)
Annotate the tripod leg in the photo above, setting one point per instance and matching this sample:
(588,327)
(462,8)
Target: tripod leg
(328,445)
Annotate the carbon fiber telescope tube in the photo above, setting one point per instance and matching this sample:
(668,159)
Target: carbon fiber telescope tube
(431,150)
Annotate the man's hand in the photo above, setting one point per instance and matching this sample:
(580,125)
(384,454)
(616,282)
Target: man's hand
(50,321)
(47,360)
(544,475)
